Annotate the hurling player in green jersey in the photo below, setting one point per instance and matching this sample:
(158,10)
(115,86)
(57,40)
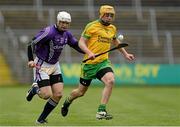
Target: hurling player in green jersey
(96,38)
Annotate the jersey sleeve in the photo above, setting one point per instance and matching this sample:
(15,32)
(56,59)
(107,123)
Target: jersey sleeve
(73,42)
(71,39)
(42,37)
(88,31)
(30,52)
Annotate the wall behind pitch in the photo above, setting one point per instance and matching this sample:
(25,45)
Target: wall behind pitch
(131,74)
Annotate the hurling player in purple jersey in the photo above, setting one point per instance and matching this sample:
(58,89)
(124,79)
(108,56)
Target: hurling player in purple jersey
(47,46)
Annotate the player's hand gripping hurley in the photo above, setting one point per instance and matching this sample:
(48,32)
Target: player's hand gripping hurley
(121,45)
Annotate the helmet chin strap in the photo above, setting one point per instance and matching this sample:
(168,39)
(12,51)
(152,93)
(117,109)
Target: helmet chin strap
(104,23)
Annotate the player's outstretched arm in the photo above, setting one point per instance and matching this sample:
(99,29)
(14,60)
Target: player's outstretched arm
(127,55)
(77,48)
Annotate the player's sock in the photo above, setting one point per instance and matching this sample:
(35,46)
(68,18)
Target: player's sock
(102,113)
(102,107)
(50,105)
(65,106)
(68,100)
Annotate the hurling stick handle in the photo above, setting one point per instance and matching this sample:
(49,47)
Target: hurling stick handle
(99,54)
(117,47)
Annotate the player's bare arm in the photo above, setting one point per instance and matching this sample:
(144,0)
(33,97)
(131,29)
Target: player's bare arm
(127,55)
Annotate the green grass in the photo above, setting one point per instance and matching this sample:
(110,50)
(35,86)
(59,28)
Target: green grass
(140,106)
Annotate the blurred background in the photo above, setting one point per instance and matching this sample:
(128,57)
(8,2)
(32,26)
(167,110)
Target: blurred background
(150,27)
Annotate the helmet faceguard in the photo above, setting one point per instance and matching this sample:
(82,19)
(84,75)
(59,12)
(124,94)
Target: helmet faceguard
(106,9)
(64,16)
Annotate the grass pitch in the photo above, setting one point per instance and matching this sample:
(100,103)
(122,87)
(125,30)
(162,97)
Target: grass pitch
(137,106)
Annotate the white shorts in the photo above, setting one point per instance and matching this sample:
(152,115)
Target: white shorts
(43,69)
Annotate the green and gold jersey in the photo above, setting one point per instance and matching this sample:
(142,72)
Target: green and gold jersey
(99,39)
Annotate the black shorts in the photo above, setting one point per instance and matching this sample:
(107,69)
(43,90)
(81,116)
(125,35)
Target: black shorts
(52,80)
(99,75)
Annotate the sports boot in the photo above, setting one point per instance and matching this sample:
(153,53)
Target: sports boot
(32,91)
(103,115)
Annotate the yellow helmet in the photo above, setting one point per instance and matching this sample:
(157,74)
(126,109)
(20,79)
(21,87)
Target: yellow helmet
(106,9)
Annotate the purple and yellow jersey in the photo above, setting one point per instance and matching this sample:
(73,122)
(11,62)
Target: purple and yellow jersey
(99,39)
(49,43)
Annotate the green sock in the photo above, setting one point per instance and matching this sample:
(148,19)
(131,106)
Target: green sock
(102,107)
(68,100)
